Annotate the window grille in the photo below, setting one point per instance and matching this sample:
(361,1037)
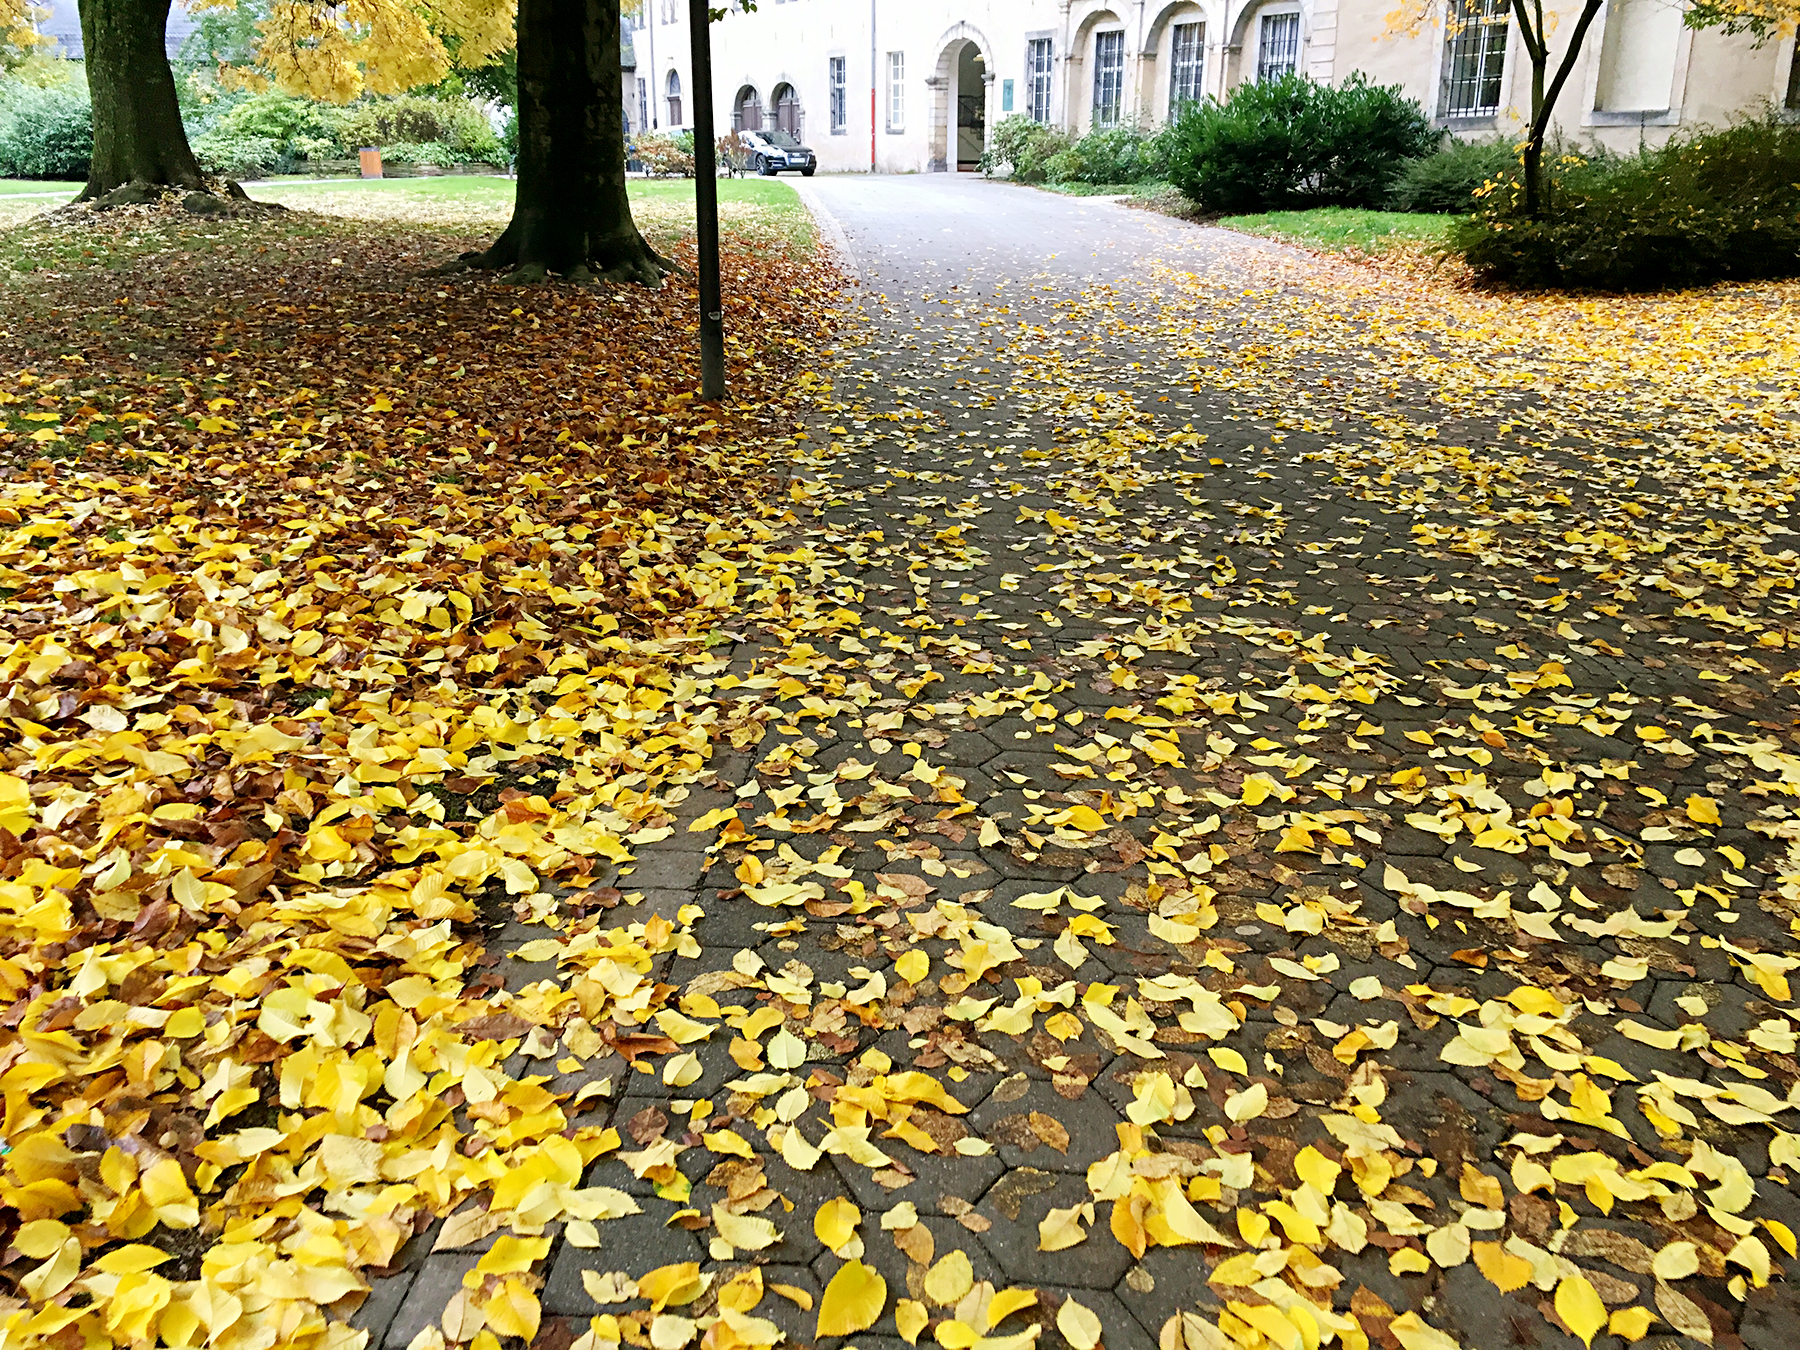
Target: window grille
(1187,63)
(1109,77)
(1278,46)
(1475,34)
(1037,75)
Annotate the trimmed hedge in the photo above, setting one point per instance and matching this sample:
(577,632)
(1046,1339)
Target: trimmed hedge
(45,132)
(1294,143)
(1446,182)
(1714,206)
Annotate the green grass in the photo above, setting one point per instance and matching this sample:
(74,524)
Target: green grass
(754,213)
(1339,229)
(37,187)
(1149,188)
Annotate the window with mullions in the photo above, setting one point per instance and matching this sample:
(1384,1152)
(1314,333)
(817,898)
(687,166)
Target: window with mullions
(1278,46)
(1109,78)
(840,96)
(1187,63)
(1475,34)
(1037,77)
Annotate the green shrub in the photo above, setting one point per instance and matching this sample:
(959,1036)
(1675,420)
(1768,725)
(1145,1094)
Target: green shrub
(1025,148)
(662,154)
(421,152)
(239,155)
(1447,181)
(261,134)
(1117,155)
(412,120)
(45,132)
(1701,208)
(1295,143)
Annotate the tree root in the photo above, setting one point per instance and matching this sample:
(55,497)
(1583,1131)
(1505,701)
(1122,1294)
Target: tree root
(215,197)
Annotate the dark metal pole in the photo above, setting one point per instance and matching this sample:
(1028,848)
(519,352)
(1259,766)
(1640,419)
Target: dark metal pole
(706,207)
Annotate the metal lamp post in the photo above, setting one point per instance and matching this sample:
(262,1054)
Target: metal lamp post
(706,207)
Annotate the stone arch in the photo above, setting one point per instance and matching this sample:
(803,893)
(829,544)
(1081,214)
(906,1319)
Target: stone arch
(785,112)
(1235,69)
(746,109)
(1153,71)
(959,116)
(1078,90)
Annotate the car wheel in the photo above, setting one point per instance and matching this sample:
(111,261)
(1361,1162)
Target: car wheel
(807,172)
(764,168)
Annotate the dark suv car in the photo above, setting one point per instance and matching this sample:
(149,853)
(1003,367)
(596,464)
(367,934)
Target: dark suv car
(772,151)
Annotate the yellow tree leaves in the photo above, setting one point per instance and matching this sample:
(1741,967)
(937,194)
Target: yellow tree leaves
(377,46)
(853,1301)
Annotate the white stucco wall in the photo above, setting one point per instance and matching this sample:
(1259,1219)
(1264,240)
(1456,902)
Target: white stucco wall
(1711,78)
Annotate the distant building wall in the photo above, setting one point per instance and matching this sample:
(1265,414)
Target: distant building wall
(1641,76)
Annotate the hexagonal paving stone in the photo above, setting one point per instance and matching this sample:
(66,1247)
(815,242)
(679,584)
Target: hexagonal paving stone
(634,1244)
(936,1178)
(1004,1119)
(1015,1206)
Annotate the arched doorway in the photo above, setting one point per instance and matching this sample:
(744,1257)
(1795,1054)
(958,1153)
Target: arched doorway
(785,104)
(747,110)
(959,112)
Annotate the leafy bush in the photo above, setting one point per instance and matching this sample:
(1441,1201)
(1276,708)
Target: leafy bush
(1026,148)
(1448,180)
(421,152)
(1293,142)
(1117,155)
(45,132)
(238,155)
(1722,204)
(262,134)
(662,154)
(411,120)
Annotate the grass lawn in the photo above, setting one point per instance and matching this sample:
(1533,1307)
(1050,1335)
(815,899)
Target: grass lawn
(1339,229)
(765,208)
(663,206)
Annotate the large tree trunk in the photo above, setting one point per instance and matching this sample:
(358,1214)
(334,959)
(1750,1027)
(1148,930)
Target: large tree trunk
(138,137)
(570,214)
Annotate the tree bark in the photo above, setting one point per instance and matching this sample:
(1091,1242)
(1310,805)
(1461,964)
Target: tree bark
(1543,100)
(138,136)
(570,212)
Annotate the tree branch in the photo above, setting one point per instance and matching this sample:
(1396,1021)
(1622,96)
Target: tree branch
(1542,120)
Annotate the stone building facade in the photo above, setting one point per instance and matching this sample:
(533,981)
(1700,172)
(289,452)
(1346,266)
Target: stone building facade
(906,86)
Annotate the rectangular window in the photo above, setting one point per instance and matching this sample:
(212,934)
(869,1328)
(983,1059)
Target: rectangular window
(1187,63)
(896,118)
(1037,79)
(1278,46)
(643,105)
(840,97)
(1474,57)
(1109,77)
(1006,96)
(1638,52)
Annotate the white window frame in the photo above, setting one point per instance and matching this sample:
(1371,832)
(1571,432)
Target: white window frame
(1197,23)
(896,99)
(838,77)
(1040,78)
(1262,45)
(1113,37)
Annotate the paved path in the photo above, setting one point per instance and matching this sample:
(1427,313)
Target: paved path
(1295,839)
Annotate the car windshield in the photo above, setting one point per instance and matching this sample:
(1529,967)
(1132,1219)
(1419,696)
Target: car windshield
(781,140)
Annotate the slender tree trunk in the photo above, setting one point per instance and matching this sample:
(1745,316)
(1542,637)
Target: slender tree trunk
(1543,98)
(138,136)
(570,213)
